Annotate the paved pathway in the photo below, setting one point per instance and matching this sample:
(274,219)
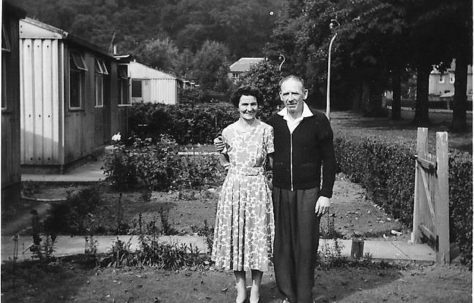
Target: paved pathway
(66,245)
(92,172)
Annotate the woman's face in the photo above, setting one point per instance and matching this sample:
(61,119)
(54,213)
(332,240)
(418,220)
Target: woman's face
(248,107)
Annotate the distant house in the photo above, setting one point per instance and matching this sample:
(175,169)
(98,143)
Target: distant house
(441,84)
(74,97)
(151,85)
(11,173)
(242,66)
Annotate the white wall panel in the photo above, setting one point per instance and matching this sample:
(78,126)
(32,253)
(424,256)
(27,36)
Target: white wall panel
(39,101)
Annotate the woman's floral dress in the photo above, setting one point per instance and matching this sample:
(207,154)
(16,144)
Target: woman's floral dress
(243,234)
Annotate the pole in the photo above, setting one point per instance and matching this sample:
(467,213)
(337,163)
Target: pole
(328,90)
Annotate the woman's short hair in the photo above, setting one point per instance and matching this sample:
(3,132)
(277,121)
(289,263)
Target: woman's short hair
(246,90)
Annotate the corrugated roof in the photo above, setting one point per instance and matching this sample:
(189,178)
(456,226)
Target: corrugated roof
(244,64)
(142,71)
(35,29)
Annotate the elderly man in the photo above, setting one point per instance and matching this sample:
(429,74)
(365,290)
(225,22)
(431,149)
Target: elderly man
(303,142)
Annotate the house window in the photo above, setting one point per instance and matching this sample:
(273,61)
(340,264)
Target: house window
(136,88)
(441,78)
(5,40)
(451,78)
(100,72)
(77,80)
(124,98)
(5,57)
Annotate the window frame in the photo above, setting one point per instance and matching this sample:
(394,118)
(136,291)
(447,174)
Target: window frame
(4,105)
(99,90)
(123,86)
(441,79)
(100,72)
(452,78)
(135,82)
(6,51)
(77,66)
(6,44)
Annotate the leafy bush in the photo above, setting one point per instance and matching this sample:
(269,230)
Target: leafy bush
(156,165)
(185,123)
(386,170)
(460,202)
(153,253)
(75,217)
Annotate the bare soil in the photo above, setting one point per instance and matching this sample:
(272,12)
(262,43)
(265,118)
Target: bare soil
(187,211)
(70,281)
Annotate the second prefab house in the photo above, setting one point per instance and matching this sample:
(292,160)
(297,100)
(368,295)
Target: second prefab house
(151,85)
(74,97)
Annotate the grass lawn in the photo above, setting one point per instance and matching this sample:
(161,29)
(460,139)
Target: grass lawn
(402,130)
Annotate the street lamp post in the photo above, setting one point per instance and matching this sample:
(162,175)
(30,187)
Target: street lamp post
(332,25)
(282,59)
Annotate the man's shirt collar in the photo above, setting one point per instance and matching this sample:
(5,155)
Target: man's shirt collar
(306,112)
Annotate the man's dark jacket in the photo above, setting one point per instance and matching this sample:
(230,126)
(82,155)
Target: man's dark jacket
(298,157)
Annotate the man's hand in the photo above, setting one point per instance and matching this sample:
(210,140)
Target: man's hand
(219,144)
(322,206)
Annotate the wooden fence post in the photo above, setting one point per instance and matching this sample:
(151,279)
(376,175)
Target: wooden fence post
(442,199)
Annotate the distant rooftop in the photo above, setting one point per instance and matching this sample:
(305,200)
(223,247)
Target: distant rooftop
(244,64)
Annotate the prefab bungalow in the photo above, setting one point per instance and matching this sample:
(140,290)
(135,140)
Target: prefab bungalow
(74,97)
(11,173)
(151,85)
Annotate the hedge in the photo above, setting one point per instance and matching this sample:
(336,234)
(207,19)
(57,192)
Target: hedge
(386,169)
(157,165)
(186,123)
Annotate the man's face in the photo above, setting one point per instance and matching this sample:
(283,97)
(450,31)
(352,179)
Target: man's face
(292,94)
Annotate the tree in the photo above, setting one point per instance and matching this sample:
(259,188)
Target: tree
(160,54)
(461,47)
(210,66)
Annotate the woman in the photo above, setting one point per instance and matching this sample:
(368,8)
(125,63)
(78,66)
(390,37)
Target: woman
(243,234)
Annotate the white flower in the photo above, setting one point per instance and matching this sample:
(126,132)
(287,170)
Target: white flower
(117,137)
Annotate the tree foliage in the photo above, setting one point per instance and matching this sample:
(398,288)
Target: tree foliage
(210,66)
(377,42)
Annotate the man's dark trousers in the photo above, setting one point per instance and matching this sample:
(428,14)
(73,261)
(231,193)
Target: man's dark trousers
(296,242)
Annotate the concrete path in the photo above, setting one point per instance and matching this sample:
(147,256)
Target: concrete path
(92,172)
(66,245)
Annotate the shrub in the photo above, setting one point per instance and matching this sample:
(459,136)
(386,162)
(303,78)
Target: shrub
(185,123)
(75,216)
(156,165)
(460,202)
(386,170)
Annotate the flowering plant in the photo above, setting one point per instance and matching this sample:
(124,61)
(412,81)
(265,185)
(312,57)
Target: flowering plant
(117,137)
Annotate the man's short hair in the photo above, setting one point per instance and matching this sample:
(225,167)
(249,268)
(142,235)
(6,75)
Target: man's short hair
(246,90)
(292,77)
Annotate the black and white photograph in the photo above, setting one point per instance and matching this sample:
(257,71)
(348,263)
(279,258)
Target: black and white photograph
(247,151)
